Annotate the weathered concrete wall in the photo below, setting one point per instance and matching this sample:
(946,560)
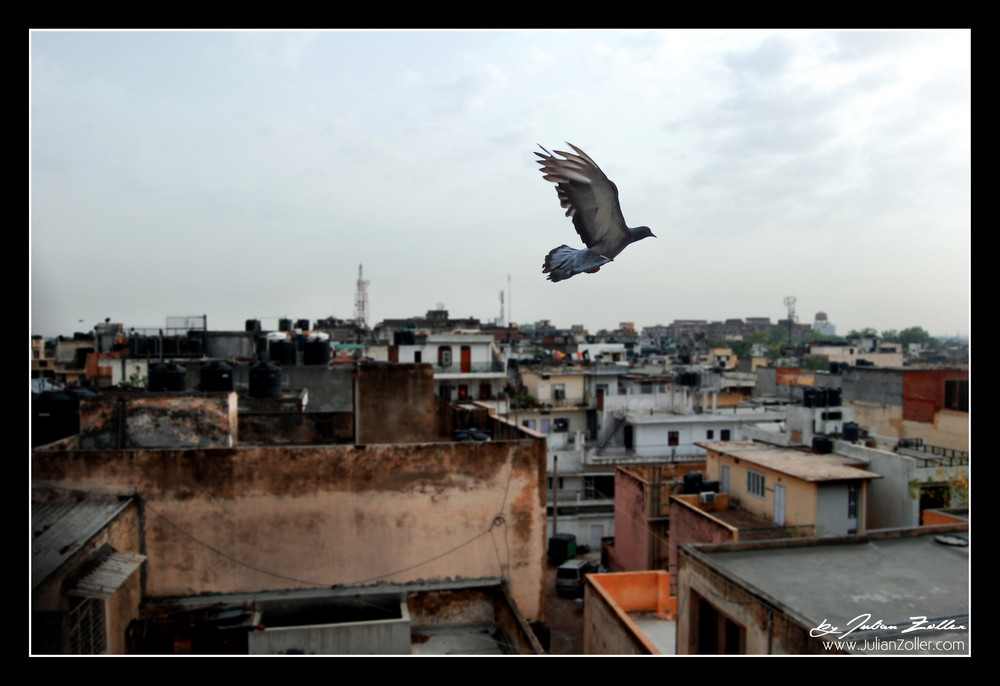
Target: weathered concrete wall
(766,631)
(297,427)
(889,503)
(152,420)
(907,403)
(690,524)
(274,517)
(631,517)
(606,629)
(396,404)
(329,388)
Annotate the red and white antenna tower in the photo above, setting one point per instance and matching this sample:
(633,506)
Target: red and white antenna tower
(361,303)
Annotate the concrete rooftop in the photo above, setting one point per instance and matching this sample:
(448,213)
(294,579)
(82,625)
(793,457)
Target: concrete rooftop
(797,463)
(891,578)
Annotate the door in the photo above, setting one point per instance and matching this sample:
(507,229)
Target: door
(779,504)
(466,359)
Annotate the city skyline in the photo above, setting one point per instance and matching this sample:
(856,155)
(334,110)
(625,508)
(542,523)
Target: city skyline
(246,174)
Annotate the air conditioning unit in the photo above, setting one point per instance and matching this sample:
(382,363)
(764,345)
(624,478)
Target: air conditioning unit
(707,498)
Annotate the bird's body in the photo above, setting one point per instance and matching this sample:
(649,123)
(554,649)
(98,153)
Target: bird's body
(591,199)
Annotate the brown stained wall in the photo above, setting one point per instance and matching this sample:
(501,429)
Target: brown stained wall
(396,404)
(274,517)
(150,420)
(297,427)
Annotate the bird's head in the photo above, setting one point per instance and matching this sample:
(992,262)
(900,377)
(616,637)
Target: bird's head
(640,232)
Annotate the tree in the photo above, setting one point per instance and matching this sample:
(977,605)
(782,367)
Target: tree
(814,363)
(916,334)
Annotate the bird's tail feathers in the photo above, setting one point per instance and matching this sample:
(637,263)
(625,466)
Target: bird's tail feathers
(563,262)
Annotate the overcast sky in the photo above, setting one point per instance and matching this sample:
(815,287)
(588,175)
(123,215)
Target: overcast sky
(247,175)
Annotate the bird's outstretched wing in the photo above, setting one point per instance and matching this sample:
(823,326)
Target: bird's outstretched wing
(589,197)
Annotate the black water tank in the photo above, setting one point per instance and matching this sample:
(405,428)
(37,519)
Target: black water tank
(692,483)
(302,324)
(167,376)
(822,445)
(808,397)
(284,324)
(833,396)
(137,345)
(253,325)
(282,352)
(851,431)
(217,376)
(265,380)
(316,352)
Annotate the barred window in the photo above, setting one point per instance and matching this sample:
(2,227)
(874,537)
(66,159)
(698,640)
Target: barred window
(755,483)
(86,626)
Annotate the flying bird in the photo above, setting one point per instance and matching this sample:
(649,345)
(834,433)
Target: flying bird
(591,199)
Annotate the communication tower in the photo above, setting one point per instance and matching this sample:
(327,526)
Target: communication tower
(361,302)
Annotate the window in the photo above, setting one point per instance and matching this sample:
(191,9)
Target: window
(463,392)
(418,357)
(956,395)
(86,626)
(559,391)
(560,425)
(710,434)
(599,487)
(647,388)
(444,356)
(724,435)
(755,483)
(673,438)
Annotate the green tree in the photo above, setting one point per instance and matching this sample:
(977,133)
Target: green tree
(916,334)
(814,363)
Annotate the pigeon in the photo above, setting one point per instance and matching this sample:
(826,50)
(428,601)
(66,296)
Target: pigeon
(591,199)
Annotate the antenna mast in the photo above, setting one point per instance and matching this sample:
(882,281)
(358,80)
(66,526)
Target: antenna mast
(361,302)
(790,304)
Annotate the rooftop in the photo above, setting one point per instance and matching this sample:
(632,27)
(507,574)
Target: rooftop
(803,465)
(892,576)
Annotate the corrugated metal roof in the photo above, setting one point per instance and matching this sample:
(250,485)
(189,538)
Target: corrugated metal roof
(103,581)
(59,529)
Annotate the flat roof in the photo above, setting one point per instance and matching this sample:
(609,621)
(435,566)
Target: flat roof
(889,576)
(703,418)
(802,465)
